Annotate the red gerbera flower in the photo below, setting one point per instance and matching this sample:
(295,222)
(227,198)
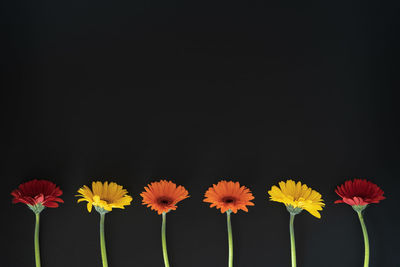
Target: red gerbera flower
(38,193)
(359,192)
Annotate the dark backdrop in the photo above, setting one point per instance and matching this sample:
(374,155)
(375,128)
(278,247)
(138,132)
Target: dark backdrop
(197,91)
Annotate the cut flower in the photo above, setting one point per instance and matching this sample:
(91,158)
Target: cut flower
(359,192)
(162,196)
(297,197)
(229,195)
(38,194)
(104,196)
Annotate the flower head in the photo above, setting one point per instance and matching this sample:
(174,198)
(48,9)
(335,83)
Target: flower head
(38,194)
(104,196)
(359,192)
(297,197)
(229,196)
(163,196)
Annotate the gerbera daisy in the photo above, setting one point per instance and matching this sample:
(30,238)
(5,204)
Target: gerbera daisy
(229,197)
(359,193)
(104,197)
(162,197)
(296,197)
(37,194)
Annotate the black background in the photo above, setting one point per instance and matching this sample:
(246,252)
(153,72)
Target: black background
(196,91)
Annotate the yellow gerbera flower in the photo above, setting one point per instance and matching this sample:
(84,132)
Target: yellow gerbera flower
(297,197)
(104,196)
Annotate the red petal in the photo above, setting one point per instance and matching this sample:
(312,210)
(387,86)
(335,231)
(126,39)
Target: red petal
(50,204)
(349,201)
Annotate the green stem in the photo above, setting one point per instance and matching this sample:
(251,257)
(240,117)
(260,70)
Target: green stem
(164,240)
(366,240)
(230,239)
(103,241)
(37,249)
(292,241)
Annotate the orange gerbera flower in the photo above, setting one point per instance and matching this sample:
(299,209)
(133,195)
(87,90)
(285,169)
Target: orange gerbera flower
(228,195)
(163,196)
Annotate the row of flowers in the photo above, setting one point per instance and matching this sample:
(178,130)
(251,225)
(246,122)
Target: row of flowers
(227,196)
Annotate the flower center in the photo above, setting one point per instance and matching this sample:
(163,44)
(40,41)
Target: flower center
(164,201)
(228,200)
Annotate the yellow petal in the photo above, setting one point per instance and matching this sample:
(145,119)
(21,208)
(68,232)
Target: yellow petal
(82,199)
(89,206)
